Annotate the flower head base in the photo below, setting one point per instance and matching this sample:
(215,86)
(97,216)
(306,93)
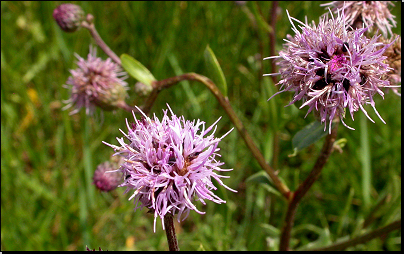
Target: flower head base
(331,68)
(96,83)
(68,17)
(368,13)
(106,177)
(169,164)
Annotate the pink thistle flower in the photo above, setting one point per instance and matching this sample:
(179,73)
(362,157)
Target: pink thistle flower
(367,13)
(169,164)
(96,83)
(331,68)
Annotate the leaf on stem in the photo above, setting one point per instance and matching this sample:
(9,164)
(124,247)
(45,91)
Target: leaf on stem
(215,71)
(307,136)
(137,70)
(263,179)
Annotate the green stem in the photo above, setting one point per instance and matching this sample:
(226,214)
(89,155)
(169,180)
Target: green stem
(366,162)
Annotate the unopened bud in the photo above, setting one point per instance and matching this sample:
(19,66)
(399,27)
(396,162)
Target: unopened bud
(68,17)
(107,181)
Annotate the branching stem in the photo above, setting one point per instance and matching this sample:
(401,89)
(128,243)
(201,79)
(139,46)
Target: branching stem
(304,187)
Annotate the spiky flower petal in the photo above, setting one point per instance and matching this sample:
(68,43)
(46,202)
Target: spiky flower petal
(169,164)
(331,68)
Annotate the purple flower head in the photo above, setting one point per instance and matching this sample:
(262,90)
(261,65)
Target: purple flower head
(367,13)
(96,83)
(170,163)
(68,17)
(106,177)
(331,68)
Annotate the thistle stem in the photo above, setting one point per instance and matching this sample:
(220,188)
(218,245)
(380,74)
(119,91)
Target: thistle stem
(304,187)
(126,107)
(224,102)
(90,26)
(170,232)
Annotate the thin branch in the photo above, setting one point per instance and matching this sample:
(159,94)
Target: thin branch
(124,106)
(363,238)
(304,187)
(224,102)
(90,26)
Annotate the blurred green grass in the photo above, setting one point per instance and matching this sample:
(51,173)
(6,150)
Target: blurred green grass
(47,156)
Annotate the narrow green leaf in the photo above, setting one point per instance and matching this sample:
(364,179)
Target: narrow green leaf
(271,230)
(344,218)
(259,177)
(308,135)
(137,70)
(215,71)
(263,179)
(260,20)
(324,236)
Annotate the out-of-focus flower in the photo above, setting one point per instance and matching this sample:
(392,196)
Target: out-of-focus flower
(393,54)
(367,13)
(169,164)
(68,17)
(330,68)
(96,83)
(107,176)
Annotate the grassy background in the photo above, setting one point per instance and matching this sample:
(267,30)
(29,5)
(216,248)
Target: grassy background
(48,157)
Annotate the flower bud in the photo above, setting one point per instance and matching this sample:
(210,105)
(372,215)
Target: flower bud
(107,181)
(68,17)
